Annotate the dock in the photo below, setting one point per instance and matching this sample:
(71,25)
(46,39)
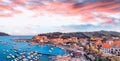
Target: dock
(22,39)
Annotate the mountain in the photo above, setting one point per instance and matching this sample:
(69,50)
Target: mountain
(107,34)
(3,34)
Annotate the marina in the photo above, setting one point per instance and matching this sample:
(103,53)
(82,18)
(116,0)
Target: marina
(12,50)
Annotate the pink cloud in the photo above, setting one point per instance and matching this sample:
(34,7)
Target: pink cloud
(5,15)
(68,9)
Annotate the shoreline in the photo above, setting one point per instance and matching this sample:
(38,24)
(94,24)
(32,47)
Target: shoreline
(22,39)
(32,43)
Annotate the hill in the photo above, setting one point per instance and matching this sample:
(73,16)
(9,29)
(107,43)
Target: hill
(3,34)
(107,34)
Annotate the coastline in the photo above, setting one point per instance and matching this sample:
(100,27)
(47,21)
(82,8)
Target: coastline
(73,48)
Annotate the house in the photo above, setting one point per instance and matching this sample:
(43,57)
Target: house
(111,48)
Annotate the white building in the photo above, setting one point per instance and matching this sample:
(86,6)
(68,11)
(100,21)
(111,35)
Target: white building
(115,51)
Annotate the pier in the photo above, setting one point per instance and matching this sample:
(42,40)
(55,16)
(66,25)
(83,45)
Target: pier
(22,39)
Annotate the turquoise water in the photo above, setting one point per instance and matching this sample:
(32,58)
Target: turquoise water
(7,44)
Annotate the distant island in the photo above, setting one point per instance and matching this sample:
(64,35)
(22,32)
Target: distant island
(4,34)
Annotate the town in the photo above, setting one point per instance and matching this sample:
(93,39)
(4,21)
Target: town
(92,48)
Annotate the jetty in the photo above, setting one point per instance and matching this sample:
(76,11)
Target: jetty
(22,39)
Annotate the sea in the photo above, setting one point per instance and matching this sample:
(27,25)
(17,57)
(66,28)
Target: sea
(7,47)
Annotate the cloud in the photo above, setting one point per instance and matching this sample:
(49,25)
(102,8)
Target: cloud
(72,7)
(89,27)
(90,12)
(5,15)
(72,15)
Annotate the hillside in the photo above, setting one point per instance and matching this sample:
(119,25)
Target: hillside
(3,34)
(107,34)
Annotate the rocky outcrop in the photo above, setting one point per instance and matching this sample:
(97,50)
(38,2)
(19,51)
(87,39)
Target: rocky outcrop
(3,34)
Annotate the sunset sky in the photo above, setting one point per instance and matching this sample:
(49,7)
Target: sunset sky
(30,17)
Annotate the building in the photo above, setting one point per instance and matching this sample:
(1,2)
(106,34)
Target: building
(111,48)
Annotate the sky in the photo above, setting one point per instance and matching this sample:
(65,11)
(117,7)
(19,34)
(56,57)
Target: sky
(30,17)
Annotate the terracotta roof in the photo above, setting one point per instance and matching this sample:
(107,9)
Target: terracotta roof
(116,42)
(105,45)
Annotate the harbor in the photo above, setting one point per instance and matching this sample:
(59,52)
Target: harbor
(16,51)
